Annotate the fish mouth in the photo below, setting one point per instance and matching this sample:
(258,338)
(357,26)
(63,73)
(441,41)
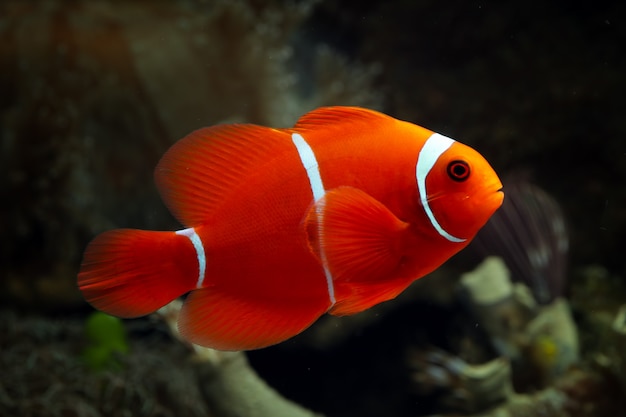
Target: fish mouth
(494,194)
(499,194)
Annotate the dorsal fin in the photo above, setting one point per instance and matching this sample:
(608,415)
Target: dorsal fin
(329,117)
(198,171)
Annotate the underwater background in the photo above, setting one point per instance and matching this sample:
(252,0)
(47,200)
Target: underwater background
(530,320)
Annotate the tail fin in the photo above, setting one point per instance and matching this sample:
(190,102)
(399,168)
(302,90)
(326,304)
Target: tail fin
(131,273)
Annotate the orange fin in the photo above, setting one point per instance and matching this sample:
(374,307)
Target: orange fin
(329,117)
(198,171)
(219,320)
(358,239)
(361,296)
(131,273)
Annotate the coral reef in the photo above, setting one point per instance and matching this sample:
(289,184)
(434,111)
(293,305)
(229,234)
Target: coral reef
(577,394)
(460,386)
(541,340)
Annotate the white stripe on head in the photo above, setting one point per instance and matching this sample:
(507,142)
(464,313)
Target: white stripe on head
(309,162)
(434,147)
(197,244)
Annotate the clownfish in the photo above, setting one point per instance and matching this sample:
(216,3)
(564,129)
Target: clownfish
(334,215)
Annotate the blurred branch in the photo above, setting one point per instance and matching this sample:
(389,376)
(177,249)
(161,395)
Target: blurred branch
(232,388)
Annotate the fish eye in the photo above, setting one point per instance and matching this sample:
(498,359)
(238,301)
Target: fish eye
(458,170)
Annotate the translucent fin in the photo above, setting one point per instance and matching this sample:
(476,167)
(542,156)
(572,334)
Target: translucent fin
(198,172)
(130,273)
(224,321)
(359,240)
(329,117)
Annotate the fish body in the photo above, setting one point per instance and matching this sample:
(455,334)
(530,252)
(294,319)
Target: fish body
(337,214)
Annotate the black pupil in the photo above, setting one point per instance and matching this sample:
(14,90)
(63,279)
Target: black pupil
(458,170)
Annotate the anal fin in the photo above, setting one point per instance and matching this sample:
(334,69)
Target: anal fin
(223,321)
(360,297)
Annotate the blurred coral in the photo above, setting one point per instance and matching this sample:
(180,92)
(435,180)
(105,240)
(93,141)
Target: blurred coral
(93,94)
(578,394)
(460,386)
(540,340)
(528,232)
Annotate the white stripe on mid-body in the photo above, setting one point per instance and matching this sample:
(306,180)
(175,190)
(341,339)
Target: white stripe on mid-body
(309,162)
(197,245)
(307,157)
(434,147)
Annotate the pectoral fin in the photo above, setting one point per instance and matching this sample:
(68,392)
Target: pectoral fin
(356,237)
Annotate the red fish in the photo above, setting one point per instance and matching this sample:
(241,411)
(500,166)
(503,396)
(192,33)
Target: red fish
(337,214)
